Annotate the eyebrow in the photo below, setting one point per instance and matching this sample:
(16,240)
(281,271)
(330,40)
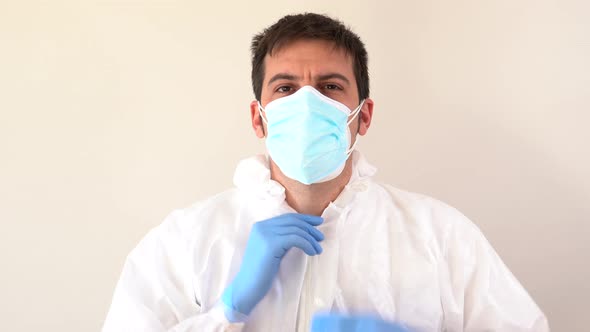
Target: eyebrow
(290,77)
(283,76)
(333,76)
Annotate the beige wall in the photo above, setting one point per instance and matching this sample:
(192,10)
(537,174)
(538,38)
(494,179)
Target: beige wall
(113,113)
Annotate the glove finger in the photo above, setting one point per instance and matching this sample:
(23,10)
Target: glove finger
(294,240)
(309,219)
(316,233)
(301,232)
(312,220)
(293,222)
(345,323)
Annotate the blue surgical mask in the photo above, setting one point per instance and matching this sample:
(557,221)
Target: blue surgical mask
(308,135)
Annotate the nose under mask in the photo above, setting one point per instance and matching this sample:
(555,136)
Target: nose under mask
(308,135)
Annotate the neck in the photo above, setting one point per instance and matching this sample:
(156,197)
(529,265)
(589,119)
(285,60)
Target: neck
(311,199)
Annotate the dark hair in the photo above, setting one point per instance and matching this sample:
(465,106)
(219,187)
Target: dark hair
(309,26)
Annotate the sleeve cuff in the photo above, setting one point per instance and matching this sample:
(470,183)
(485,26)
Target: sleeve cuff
(232,315)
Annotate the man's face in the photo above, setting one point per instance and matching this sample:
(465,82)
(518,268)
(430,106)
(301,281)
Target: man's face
(316,63)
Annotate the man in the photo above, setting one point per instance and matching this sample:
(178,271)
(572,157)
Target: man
(307,239)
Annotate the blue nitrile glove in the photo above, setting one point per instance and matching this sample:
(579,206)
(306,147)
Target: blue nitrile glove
(356,323)
(268,243)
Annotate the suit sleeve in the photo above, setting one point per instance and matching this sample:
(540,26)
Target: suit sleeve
(155,293)
(494,300)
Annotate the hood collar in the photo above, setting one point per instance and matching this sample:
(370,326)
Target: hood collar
(252,175)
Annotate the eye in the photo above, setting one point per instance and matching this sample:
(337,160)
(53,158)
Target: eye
(284,89)
(332,87)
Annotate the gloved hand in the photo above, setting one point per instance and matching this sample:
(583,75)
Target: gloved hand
(343,323)
(268,243)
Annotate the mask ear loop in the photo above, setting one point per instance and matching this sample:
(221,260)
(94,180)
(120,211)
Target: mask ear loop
(354,114)
(262,117)
(260,109)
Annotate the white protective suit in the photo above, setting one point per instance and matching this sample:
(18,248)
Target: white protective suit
(402,256)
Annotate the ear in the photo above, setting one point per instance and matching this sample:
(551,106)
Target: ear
(257,123)
(366,114)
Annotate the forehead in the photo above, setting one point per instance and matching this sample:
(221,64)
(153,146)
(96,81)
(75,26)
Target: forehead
(306,55)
